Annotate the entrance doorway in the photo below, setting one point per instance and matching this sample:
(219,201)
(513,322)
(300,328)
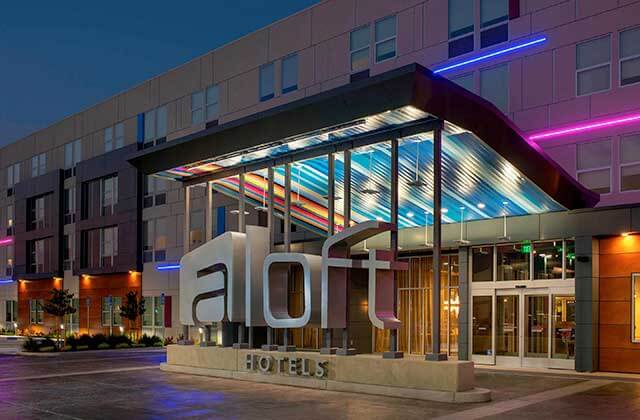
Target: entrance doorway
(525,327)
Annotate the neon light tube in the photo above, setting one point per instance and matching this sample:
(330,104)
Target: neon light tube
(586,127)
(168,267)
(497,53)
(6,281)
(6,241)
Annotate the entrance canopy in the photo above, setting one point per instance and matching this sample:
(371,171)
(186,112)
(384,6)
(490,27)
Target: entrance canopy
(489,168)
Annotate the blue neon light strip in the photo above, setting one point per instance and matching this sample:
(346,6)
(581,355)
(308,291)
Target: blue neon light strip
(168,267)
(6,281)
(492,54)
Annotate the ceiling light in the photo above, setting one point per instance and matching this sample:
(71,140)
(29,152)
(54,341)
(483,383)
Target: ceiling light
(481,205)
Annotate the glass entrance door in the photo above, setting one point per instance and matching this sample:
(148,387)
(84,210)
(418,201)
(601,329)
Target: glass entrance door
(531,328)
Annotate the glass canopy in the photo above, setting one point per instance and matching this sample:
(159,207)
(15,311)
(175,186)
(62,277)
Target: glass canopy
(477,183)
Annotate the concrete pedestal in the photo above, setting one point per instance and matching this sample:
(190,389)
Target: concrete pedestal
(410,377)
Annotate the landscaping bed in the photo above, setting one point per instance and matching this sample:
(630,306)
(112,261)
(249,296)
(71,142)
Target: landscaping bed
(92,342)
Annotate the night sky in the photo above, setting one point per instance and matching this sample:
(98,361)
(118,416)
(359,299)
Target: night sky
(57,58)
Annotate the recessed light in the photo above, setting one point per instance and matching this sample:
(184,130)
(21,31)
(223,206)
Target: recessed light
(481,205)
(410,214)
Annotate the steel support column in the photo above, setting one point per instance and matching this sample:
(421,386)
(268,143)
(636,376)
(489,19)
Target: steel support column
(345,350)
(287,240)
(327,338)
(393,352)
(185,248)
(270,226)
(435,354)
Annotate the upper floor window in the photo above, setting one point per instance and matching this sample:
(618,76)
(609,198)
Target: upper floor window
(38,165)
(39,211)
(114,137)
(385,38)
(630,162)
(359,40)
(40,256)
(461,27)
(204,105)
(196,229)
(9,269)
(466,81)
(494,18)
(289,73)
(494,86)
(155,126)
(99,247)
(10,220)
(630,56)
(267,89)
(13,175)
(72,153)
(68,247)
(594,165)
(69,205)
(593,66)
(155,240)
(99,197)
(154,188)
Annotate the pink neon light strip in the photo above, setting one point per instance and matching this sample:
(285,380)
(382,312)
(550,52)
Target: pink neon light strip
(6,241)
(585,127)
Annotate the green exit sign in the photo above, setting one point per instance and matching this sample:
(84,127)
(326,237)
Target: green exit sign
(526,247)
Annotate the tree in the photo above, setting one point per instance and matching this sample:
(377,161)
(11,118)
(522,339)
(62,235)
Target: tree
(59,304)
(132,308)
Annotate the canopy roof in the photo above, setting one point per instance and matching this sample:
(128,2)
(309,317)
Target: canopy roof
(489,168)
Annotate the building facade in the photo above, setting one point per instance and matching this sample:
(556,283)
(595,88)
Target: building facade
(552,286)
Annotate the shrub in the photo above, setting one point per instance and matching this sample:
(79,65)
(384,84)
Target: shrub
(123,345)
(149,341)
(47,349)
(84,340)
(67,348)
(158,344)
(115,340)
(103,346)
(97,340)
(168,340)
(82,347)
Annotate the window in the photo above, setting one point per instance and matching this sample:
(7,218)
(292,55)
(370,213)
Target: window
(359,40)
(196,231)
(11,313)
(594,165)
(494,17)
(155,240)
(38,165)
(10,220)
(570,259)
(290,73)
(482,264)
(482,325)
(494,86)
(69,205)
(9,269)
(547,260)
(109,195)
(461,27)
(466,81)
(630,162)
(204,105)
(154,314)
(111,311)
(39,258)
(153,185)
(39,210)
(114,137)
(13,175)
(35,311)
(513,262)
(99,247)
(155,127)
(67,251)
(267,82)
(635,312)
(385,39)
(72,153)
(630,56)
(593,66)
(72,320)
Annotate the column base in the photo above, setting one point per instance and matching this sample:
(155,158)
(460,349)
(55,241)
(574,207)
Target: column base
(240,345)
(208,344)
(346,352)
(287,348)
(328,350)
(269,347)
(393,355)
(436,357)
(185,342)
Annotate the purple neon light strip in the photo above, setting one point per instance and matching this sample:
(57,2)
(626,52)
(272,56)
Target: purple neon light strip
(168,267)
(6,241)
(582,128)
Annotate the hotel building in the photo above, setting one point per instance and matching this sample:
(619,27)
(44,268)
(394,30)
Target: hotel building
(534,102)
